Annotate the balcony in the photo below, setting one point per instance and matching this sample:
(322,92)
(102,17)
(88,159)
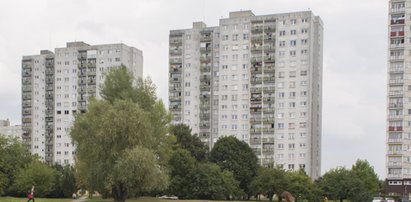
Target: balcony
(394,140)
(256,48)
(395,128)
(175,88)
(395,94)
(26,88)
(205,59)
(82,55)
(394,176)
(269,48)
(396,70)
(176,60)
(91,72)
(176,41)
(205,68)
(205,38)
(397,46)
(268,110)
(49,71)
(256,29)
(397,34)
(395,152)
(269,59)
(269,89)
(269,28)
(397,21)
(176,51)
(255,38)
(397,10)
(91,89)
(256,70)
(392,116)
(257,59)
(395,105)
(81,98)
(396,81)
(174,98)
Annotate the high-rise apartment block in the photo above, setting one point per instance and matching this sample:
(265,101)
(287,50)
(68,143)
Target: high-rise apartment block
(398,159)
(56,86)
(258,78)
(10,131)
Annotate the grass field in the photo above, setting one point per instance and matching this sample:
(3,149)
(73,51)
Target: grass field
(13,199)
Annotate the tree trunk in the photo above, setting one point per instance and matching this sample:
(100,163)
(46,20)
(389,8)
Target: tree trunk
(119,193)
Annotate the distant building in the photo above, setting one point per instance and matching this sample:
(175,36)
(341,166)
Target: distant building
(255,77)
(10,131)
(55,86)
(398,156)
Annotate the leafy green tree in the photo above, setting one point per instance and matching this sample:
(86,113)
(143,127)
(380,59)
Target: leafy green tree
(231,186)
(336,184)
(365,172)
(236,156)
(269,181)
(302,187)
(13,157)
(126,131)
(189,142)
(38,174)
(182,166)
(207,182)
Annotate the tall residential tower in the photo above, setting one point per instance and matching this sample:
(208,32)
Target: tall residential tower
(398,159)
(55,86)
(258,78)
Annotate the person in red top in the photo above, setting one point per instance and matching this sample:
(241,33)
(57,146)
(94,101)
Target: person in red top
(31,194)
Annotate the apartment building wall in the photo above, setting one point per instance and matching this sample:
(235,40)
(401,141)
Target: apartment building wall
(398,156)
(68,79)
(266,85)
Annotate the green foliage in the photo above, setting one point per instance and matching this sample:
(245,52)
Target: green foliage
(269,181)
(363,171)
(236,156)
(189,142)
(113,134)
(13,158)
(65,182)
(336,184)
(182,166)
(302,185)
(38,174)
(207,182)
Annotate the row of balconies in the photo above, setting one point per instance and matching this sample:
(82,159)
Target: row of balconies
(397,45)
(397,10)
(50,80)
(394,140)
(50,71)
(26,119)
(82,55)
(26,73)
(206,49)
(26,103)
(264,130)
(174,98)
(26,80)
(395,152)
(397,57)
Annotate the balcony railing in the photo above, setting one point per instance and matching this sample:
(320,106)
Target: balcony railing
(397,34)
(397,22)
(395,105)
(401,45)
(396,81)
(395,152)
(395,128)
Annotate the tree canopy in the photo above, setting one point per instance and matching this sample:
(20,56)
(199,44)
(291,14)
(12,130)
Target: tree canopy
(236,156)
(125,131)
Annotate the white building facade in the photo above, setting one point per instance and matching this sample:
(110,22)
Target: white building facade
(258,78)
(10,131)
(398,156)
(57,85)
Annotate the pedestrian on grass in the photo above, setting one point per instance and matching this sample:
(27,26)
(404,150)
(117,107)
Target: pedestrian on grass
(31,194)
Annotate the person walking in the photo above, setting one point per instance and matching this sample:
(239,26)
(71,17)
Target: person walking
(31,194)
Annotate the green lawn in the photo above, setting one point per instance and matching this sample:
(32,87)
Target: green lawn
(13,199)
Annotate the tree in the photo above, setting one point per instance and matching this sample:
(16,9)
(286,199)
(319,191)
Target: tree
(236,156)
(336,184)
(13,158)
(231,186)
(365,172)
(269,181)
(302,187)
(126,131)
(38,174)
(189,142)
(182,166)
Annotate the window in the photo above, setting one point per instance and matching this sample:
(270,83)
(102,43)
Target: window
(293,42)
(282,43)
(280,125)
(293,21)
(245,36)
(304,20)
(281,74)
(304,41)
(225,37)
(282,33)
(292,53)
(291,104)
(235,37)
(304,52)
(293,74)
(303,73)
(304,31)
(293,32)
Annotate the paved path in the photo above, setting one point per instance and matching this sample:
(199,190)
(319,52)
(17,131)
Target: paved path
(81,199)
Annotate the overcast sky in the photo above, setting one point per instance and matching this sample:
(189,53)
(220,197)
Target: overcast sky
(355,52)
